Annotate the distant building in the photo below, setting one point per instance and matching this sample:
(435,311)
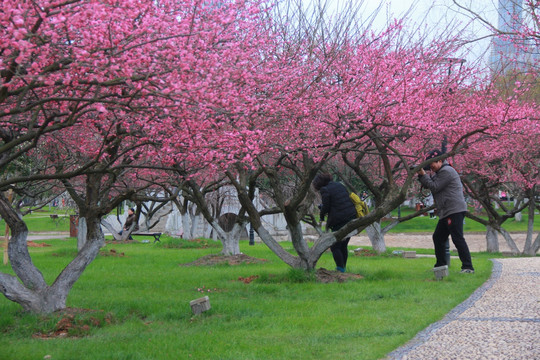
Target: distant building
(507,54)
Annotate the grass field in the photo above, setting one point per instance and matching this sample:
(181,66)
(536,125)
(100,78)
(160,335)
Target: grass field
(40,221)
(143,295)
(135,300)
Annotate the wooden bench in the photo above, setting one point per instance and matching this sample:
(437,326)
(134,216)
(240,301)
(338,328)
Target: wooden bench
(155,235)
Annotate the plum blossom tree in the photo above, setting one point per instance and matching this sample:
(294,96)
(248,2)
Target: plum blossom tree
(511,158)
(510,162)
(372,99)
(90,73)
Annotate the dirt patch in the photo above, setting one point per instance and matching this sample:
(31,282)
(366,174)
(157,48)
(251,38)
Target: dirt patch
(326,276)
(247,280)
(74,322)
(204,243)
(111,252)
(30,243)
(365,252)
(34,244)
(210,260)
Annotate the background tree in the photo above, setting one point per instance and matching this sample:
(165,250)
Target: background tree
(508,162)
(373,99)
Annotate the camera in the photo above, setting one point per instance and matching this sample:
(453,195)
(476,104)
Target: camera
(426,168)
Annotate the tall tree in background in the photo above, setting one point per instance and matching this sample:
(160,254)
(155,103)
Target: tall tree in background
(509,162)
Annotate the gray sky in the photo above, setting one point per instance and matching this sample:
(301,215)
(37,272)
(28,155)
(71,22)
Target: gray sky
(437,16)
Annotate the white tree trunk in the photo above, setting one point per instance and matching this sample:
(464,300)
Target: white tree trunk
(207,230)
(285,256)
(231,240)
(529,247)
(194,226)
(376,236)
(535,246)
(28,288)
(511,243)
(115,233)
(186,226)
(81,233)
(492,240)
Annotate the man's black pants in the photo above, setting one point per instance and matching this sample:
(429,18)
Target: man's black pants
(451,225)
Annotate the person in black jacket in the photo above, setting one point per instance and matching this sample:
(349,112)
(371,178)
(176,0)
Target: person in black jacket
(337,204)
(129,221)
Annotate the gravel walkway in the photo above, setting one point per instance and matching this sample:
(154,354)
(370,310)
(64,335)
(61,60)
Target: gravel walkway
(500,320)
(475,241)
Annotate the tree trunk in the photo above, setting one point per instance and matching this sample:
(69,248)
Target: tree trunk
(207,230)
(81,233)
(112,230)
(529,248)
(376,236)
(300,244)
(535,246)
(276,248)
(492,239)
(231,240)
(29,288)
(186,226)
(511,243)
(195,225)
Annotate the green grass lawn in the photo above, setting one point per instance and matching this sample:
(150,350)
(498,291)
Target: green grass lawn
(145,295)
(41,221)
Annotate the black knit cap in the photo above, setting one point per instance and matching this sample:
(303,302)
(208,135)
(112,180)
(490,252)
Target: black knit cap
(433,153)
(321,180)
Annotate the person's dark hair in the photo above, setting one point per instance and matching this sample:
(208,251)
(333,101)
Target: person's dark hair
(132,209)
(321,180)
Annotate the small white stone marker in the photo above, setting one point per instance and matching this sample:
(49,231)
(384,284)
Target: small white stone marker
(409,254)
(200,305)
(440,271)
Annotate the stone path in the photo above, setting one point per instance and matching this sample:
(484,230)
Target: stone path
(476,241)
(500,320)
(47,235)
